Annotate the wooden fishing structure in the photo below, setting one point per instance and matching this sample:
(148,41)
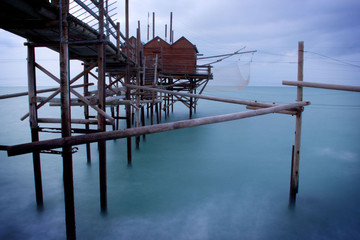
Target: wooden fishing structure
(143,77)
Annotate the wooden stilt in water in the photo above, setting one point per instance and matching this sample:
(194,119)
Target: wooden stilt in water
(292,196)
(152,114)
(101,119)
(112,108)
(195,102)
(117,117)
(138,80)
(157,113)
(86,113)
(34,124)
(66,124)
(191,101)
(127,80)
(294,183)
(143,120)
(147,110)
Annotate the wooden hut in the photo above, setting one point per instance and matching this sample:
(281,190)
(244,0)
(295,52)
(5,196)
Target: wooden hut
(178,58)
(181,57)
(156,47)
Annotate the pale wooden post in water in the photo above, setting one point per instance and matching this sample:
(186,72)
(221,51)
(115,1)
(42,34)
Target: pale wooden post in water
(34,123)
(294,182)
(66,123)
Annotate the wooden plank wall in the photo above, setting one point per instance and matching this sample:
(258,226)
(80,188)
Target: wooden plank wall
(179,57)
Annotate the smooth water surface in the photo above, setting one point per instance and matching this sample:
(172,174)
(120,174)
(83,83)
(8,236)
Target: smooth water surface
(222,181)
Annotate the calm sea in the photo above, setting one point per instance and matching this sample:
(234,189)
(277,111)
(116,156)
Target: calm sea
(222,181)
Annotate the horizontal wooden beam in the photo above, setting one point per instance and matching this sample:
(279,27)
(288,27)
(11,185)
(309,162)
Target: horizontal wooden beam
(75,121)
(76,102)
(322,85)
(12,95)
(95,137)
(218,99)
(290,112)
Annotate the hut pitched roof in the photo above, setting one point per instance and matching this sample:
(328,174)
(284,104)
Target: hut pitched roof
(157,42)
(183,42)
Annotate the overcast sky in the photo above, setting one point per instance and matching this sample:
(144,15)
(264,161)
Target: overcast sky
(330,30)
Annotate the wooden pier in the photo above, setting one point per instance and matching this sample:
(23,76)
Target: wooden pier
(85,31)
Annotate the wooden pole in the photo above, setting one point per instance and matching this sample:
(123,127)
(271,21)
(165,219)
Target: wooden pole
(93,137)
(171,28)
(191,98)
(86,113)
(66,124)
(118,40)
(102,103)
(20,94)
(153,25)
(290,112)
(148,27)
(75,121)
(138,81)
(34,124)
(142,96)
(294,183)
(211,98)
(127,81)
(322,85)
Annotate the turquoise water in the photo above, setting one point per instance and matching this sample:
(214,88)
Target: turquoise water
(223,181)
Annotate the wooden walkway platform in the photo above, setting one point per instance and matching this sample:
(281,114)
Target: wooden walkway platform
(38,21)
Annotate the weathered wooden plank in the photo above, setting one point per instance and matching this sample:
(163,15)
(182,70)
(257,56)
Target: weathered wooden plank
(20,94)
(73,120)
(322,85)
(290,112)
(218,99)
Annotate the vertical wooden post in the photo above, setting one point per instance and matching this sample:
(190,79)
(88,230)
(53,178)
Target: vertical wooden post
(118,39)
(34,124)
(154,94)
(138,80)
(191,99)
(294,183)
(171,28)
(148,27)
(142,83)
(86,112)
(127,80)
(112,108)
(195,100)
(157,113)
(66,123)
(153,25)
(101,119)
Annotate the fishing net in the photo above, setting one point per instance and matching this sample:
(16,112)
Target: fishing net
(230,75)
